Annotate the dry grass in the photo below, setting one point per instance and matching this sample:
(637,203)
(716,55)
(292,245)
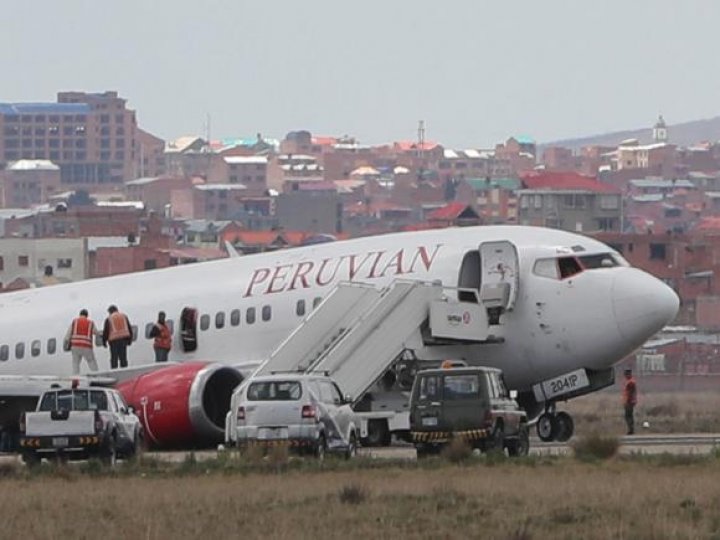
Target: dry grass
(671,412)
(548,499)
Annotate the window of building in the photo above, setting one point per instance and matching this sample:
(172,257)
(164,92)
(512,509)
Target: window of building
(104,118)
(220,319)
(250,315)
(27,143)
(658,252)
(235,317)
(266,313)
(204,322)
(609,202)
(300,308)
(4,353)
(19,351)
(64,263)
(23,260)
(26,118)
(35,348)
(150,264)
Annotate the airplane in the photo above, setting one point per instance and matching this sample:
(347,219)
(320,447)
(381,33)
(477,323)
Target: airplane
(577,308)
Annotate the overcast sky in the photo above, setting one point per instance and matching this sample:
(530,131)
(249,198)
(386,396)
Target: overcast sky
(475,71)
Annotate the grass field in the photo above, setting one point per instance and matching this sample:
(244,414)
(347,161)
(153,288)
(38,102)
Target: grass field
(633,498)
(672,412)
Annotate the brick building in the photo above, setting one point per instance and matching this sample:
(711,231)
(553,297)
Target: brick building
(92,137)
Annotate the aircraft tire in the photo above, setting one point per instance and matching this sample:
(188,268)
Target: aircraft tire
(565,427)
(547,427)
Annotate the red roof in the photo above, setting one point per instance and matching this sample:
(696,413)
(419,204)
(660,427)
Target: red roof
(565,181)
(448,212)
(324,141)
(406,146)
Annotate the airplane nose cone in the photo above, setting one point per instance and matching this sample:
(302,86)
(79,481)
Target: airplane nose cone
(643,305)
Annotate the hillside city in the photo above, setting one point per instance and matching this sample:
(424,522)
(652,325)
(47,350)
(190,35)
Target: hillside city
(86,192)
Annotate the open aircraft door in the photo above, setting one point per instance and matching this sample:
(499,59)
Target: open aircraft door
(499,268)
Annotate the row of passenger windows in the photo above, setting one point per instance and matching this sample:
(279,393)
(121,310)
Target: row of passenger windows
(235,317)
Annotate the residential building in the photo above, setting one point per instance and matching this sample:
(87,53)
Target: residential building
(316,211)
(568,201)
(156,192)
(29,182)
(250,171)
(41,261)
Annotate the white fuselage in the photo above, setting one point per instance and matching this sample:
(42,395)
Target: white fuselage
(589,320)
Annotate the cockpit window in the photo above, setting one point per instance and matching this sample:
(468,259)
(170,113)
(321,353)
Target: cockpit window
(568,266)
(546,268)
(602,260)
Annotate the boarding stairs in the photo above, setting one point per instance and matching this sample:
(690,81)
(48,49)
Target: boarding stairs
(358,331)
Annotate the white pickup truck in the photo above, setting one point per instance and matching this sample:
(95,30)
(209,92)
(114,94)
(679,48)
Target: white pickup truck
(78,423)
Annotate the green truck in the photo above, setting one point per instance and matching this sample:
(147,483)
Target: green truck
(471,403)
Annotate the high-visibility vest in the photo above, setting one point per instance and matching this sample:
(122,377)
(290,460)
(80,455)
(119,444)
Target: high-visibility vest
(119,328)
(82,333)
(164,339)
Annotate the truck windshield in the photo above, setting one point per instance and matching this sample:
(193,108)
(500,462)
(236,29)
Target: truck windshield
(74,400)
(274,391)
(461,387)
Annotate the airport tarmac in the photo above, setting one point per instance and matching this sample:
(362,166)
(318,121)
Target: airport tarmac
(689,443)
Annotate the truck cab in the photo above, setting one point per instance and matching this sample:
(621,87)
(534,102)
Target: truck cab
(471,403)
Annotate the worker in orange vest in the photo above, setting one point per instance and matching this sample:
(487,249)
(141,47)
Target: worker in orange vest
(163,338)
(79,341)
(629,401)
(118,332)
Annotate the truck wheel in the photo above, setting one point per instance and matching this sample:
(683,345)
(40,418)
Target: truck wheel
(547,427)
(31,459)
(495,443)
(521,445)
(320,448)
(378,433)
(351,451)
(109,454)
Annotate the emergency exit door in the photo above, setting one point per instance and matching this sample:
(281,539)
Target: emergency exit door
(499,268)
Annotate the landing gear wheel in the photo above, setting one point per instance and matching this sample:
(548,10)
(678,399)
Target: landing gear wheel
(565,427)
(547,427)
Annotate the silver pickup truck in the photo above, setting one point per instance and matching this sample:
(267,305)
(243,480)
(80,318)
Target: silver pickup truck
(79,423)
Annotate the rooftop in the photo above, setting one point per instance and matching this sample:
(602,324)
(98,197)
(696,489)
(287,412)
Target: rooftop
(246,160)
(44,108)
(563,181)
(32,165)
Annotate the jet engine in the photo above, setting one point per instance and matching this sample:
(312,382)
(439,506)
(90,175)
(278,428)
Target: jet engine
(182,405)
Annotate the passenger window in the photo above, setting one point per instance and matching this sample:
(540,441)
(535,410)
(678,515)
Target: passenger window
(300,308)
(4,353)
(148,329)
(171,326)
(569,266)
(316,301)
(266,313)
(98,341)
(35,348)
(235,317)
(429,389)
(19,350)
(220,319)
(546,268)
(134,330)
(250,315)
(204,322)
(51,346)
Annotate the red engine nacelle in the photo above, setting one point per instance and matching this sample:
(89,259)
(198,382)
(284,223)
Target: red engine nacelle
(183,405)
